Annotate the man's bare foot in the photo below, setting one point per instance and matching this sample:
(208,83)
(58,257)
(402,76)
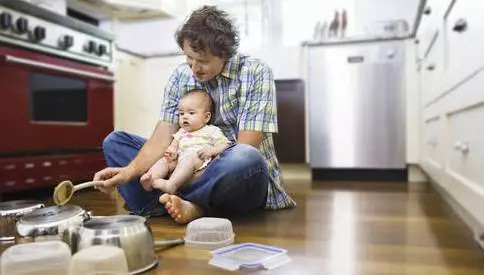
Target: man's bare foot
(181,211)
(146,181)
(164,185)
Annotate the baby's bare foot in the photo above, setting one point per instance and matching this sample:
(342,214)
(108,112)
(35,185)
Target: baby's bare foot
(164,185)
(146,181)
(181,211)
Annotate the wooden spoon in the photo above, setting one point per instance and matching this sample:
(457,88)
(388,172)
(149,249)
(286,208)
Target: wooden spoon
(63,191)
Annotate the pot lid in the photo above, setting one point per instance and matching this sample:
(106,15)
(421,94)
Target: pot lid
(52,214)
(18,207)
(113,222)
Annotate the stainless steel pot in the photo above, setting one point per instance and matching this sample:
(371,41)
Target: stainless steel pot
(54,223)
(10,212)
(131,233)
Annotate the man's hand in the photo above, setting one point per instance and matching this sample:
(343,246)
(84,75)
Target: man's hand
(112,176)
(207,152)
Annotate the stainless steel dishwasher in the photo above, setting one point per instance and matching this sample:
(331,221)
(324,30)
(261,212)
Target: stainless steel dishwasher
(356,101)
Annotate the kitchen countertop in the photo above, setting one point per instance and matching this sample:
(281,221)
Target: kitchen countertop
(354,40)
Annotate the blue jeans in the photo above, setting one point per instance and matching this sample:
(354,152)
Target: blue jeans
(233,184)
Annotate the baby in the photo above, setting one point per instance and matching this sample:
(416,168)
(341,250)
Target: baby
(192,148)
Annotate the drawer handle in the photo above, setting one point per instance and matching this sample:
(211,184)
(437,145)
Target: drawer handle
(462,146)
(427,10)
(460,25)
(431,67)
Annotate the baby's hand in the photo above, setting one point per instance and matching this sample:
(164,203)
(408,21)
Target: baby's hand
(170,154)
(146,181)
(206,153)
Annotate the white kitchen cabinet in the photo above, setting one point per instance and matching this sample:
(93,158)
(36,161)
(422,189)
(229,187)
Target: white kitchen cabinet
(464,28)
(452,104)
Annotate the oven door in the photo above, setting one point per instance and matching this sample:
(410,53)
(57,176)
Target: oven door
(52,105)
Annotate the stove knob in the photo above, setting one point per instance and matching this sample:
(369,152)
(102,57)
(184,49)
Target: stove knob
(22,25)
(66,41)
(101,50)
(90,47)
(5,20)
(39,33)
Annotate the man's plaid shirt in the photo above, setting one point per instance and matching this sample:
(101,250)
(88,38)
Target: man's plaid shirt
(247,102)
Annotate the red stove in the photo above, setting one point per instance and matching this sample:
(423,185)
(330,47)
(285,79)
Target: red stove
(56,97)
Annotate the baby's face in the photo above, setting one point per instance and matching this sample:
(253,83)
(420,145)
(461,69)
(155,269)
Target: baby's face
(193,113)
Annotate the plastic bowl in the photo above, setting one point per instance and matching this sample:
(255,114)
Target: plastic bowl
(39,258)
(209,233)
(99,259)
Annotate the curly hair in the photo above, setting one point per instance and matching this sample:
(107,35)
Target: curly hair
(209,28)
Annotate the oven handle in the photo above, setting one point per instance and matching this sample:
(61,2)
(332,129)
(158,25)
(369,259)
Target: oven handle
(43,65)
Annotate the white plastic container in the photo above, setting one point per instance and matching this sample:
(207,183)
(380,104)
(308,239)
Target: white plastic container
(249,255)
(209,233)
(99,259)
(39,258)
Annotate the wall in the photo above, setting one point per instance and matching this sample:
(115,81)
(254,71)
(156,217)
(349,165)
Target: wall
(272,30)
(369,12)
(139,91)
(148,37)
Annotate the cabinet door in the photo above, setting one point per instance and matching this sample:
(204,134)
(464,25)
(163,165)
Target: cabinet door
(432,72)
(290,141)
(464,28)
(432,146)
(466,147)
(465,157)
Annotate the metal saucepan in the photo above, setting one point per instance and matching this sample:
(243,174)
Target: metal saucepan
(10,212)
(129,232)
(54,223)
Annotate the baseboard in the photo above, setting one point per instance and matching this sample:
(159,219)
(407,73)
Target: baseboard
(415,174)
(359,174)
(474,225)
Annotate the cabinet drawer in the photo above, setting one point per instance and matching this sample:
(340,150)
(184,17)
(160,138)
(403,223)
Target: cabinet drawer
(430,24)
(464,29)
(432,72)
(425,38)
(432,144)
(436,9)
(465,152)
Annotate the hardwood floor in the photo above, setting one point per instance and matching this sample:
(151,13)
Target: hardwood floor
(337,228)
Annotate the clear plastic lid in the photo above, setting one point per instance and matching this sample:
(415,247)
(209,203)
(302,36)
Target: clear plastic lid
(39,258)
(99,259)
(209,233)
(249,255)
